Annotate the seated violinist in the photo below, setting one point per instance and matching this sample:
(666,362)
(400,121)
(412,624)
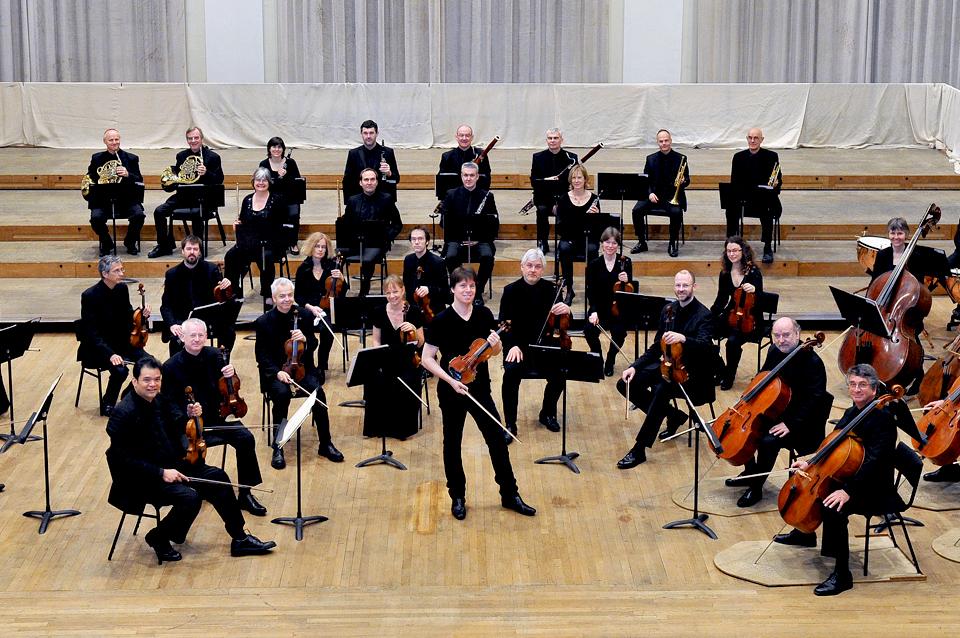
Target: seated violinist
(871,488)
(316,277)
(201,367)
(424,274)
(685,325)
(526,304)
(801,424)
(603,273)
(737,270)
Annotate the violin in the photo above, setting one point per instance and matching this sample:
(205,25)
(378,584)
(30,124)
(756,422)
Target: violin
(334,286)
(294,351)
(672,368)
(140,333)
(903,302)
(839,457)
(463,368)
(941,426)
(196,446)
(741,426)
(412,336)
(941,375)
(221,295)
(620,286)
(423,300)
(741,317)
(559,324)
(231,403)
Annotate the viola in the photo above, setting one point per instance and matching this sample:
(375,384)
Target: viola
(196,446)
(139,333)
(672,367)
(463,368)
(741,317)
(423,301)
(741,426)
(230,402)
(839,457)
(334,286)
(221,295)
(557,326)
(412,336)
(620,286)
(941,426)
(941,375)
(294,351)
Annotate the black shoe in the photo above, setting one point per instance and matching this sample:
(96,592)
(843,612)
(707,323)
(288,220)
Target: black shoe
(751,497)
(159,251)
(736,481)
(132,249)
(106,410)
(550,422)
(106,249)
(674,421)
(726,384)
(162,547)
(328,450)
(459,509)
(834,584)
(641,247)
(516,504)
(946,474)
(294,250)
(673,250)
(250,503)
(506,437)
(633,458)
(250,545)
(278,462)
(609,364)
(797,538)
(767,255)
(569,298)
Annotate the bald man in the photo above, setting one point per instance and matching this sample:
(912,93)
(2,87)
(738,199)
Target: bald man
(455,158)
(128,170)
(750,175)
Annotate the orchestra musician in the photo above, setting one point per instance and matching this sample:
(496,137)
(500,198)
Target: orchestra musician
(871,488)
(391,409)
(424,272)
(662,169)
(260,235)
(924,260)
(147,462)
(106,319)
(549,165)
(801,424)
(452,160)
(470,214)
(274,328)
(451,333)
(371,154)
(573,210)
(128,168)
(283,174)
(311,286)
(370,205)
(751,168)
(685,321)
(209,171)
(603,272)
(526,303)
(199,366)
(737,270)
(187,286)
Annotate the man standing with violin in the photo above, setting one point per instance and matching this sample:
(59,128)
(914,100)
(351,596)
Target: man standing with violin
(201,367)
(463,328)
(189,285)
(424,274)
(147,459)
(278,331)
(529,304)
(685,325)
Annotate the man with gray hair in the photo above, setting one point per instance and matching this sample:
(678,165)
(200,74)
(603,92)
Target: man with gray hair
(549,167)
(126,167)
(470,225)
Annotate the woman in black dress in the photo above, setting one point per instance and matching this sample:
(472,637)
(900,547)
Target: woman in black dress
(737,270)
(310,288)
(284,171)
(259,232)
(572,212)
(602,273)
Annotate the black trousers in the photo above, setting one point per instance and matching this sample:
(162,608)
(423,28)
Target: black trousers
(391,410)
(281,393)
(455,409)
(513,374)
(646,207)
(118,374)
(543,223)
(244,444)
(613,326)
(237,259)
(836,536)
(371,257)
(766,223)
(454,256)
(650,393)
(100,218)
(734,350)
(161,216)
(768,448)
(292,224)
(186,499)
(567,251)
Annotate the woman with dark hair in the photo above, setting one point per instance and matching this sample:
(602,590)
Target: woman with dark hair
(602,273)
(258,228)
(283,172)
(737,270)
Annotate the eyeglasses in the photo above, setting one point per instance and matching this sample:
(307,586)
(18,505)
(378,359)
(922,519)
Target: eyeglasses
(858,385)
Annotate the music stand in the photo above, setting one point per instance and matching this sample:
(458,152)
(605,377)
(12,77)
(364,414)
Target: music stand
(285,430)
(46,515)
(860,312)
(219,313)
(122,190)
(14,341)
(444,183)
(623,186)
(297,191)
(198,196)
(353,313)
(571,365)
(758,197)
(640,312)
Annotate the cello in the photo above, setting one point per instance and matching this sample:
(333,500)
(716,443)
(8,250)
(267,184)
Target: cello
(941,375)
(139,332)
(903,302)
(941,426)
(840,456)
(741,426)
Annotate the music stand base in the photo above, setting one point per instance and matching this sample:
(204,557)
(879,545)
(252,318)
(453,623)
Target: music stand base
(565,459)
(46,516)
(14,436)
(385,458)
(697,522)
(299,522)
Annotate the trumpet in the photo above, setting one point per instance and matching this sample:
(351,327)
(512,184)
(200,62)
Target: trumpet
(678,182)
(774,175)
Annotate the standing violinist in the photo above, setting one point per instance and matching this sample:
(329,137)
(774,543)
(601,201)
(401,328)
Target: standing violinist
(452,334)
(470,225)
(200,367)
(275,336)
(527,303)
(737,270)
(801,424)
(870,489)
(573,211)
(315,278)
(684,322)
(424,273)
(189,285)
(603,273)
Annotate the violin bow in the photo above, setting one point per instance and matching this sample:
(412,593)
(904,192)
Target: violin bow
(495,419)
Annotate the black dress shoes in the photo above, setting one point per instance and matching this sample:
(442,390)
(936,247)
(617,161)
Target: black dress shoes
(516,504)
(767,254)
(159,251)
(106,410)
(726,384)
(250,503)
(609,364)
(250,545)
(544,247)
(834,584)
(946,474)
(506,437)
(165,552)
(550,422)
(736,481)
(751,497)
(641,247)
(106,249)
(278,462)
(132,249)
(797,538)
(329,451)
(633,458)
(673,250)
(459,509)
(674,421)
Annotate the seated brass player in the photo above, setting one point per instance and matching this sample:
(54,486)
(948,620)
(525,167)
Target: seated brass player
(112,166)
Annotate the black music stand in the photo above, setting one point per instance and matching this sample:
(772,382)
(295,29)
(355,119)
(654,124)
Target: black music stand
(14,341)
(444,183)
(284,431)
(593,227)
(353,313)
(375,365)
(571,365)
(860,312)
(124,190)
(483,225)
(46,515)
(199,196)
(297,191)
(219,313)
(623,186)
(640,312)
(759,197)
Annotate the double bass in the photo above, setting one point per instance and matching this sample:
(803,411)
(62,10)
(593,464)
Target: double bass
(941,375)
(903,303)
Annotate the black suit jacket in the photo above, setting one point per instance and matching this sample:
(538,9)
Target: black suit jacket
(459,209)
(360,158)
(662,172)
(361,208)
(545,164)
(130,162)
(185,289)
(434,277)
(452,160)
(872,485)
(806,413)
(106,319)
(211,160)
(749,171)
(273,329)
